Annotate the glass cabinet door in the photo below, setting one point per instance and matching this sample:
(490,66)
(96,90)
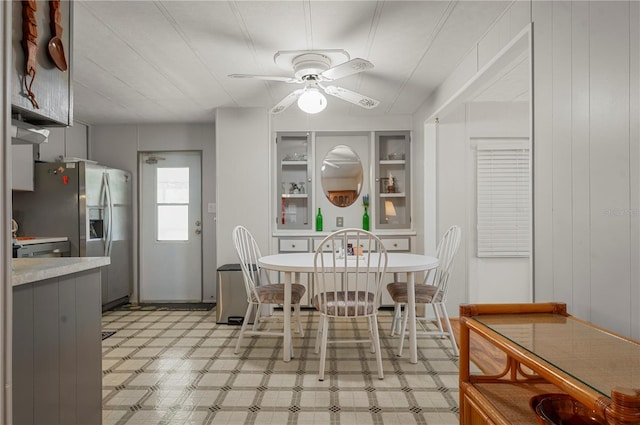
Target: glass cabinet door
(393,180)
(294,180)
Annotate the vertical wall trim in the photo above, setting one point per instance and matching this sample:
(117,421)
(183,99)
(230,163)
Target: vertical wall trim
(430,199)
(634,137)
(532,263)
(6,294)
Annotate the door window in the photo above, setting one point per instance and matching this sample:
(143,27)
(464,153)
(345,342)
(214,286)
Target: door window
(172,202)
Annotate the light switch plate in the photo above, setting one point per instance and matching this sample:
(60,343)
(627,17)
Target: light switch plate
(339,221)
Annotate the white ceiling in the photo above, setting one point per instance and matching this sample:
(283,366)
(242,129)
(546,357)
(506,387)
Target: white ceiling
(168,61)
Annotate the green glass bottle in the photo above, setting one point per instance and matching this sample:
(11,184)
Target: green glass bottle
(319,221)
(365,220)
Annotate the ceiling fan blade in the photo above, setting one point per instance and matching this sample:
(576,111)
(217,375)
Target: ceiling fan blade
(287,101)
(352,97)
(348,68)
(267,78)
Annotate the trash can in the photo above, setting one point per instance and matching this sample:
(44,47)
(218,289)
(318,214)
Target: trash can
(231,295)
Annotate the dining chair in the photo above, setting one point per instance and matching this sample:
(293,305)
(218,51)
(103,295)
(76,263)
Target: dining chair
(349,287)
(432,292)
(259,288)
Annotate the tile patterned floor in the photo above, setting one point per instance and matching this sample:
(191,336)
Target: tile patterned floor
(178,367)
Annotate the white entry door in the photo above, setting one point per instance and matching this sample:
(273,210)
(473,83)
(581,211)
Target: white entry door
(170,227)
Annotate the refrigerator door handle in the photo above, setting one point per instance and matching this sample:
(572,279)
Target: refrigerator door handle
(108,211)
(110,206)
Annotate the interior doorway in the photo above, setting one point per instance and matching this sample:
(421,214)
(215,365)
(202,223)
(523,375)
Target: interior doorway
(170,226)
(489,117)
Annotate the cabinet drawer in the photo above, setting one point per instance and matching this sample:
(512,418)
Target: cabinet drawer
(294,245)
(317,242)
(397,244)
(327,245)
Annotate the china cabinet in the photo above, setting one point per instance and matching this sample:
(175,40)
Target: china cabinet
(547,351)
(334,171)
(294,181)
(393,180)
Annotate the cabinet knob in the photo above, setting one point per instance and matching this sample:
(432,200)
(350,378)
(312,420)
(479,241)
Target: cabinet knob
(293,245)
(395,245)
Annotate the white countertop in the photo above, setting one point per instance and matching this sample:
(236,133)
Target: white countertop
(40,240)
(27,270)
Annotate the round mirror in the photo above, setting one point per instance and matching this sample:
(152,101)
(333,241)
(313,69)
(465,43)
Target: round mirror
(342,176)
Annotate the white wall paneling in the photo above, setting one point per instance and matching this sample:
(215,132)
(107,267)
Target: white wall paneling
(634,155)
(452,195)
(425,186)
(76,141)
(22,164)
(54,147)
(580,159)
(609,142)
(586,144)
(561,147)
(243,189)
(542,152)
(118,146)
(586,159)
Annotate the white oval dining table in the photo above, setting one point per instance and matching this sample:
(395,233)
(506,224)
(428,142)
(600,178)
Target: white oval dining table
(292,264)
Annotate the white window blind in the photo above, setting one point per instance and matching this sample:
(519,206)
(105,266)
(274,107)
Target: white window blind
(504,204)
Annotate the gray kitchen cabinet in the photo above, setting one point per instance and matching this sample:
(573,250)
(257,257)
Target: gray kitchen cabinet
(51,86)
(22,167)
(57,373)
(23,353)
(65,142)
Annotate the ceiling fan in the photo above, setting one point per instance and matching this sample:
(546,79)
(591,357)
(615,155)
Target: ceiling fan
(313,68)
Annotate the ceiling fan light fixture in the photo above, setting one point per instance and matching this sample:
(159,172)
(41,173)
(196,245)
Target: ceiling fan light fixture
(312,101)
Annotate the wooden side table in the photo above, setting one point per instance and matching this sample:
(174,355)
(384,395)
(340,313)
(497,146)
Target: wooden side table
(548,351)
